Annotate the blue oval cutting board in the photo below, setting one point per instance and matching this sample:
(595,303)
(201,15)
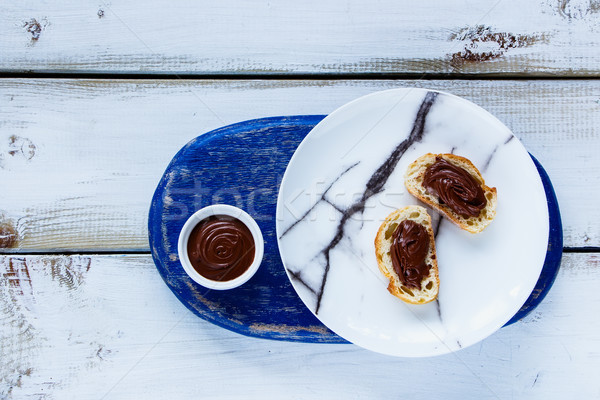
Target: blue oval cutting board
(242,165)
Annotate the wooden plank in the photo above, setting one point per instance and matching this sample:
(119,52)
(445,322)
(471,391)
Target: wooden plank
(80,159)
(288,37)
(92,327)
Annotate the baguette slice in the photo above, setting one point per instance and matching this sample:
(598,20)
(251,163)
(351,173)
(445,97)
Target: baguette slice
(383,242)
(413,179)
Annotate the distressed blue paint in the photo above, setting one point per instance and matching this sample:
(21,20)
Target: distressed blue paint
(242,165)
(553,254)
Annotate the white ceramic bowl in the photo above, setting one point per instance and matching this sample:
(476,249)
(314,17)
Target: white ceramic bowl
(220,209)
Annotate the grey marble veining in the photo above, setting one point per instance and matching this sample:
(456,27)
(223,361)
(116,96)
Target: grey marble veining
(374,185)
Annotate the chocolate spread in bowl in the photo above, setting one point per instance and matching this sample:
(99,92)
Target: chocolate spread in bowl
(455,187)
(221,248)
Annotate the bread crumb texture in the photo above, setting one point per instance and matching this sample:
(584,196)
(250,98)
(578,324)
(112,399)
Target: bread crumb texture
(414,178)
(383,243)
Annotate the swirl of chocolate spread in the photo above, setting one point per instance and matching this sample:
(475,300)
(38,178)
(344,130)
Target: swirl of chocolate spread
(410,245)
(221,248)
(455,187)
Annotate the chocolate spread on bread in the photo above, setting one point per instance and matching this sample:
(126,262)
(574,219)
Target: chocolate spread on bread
(410,245)
(455,188)
(221,248)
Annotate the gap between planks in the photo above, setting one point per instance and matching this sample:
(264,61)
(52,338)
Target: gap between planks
(292,76)
(125,75)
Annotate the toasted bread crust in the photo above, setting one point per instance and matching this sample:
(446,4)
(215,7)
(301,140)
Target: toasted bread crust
(413,179)
(430,284)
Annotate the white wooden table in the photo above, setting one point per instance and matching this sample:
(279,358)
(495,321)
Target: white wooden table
(95,99)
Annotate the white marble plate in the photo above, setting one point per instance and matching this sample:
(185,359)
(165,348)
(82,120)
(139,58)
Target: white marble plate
(347,176)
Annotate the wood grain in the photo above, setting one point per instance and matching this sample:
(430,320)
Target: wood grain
(489,37)
(91,327)
(80,159)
